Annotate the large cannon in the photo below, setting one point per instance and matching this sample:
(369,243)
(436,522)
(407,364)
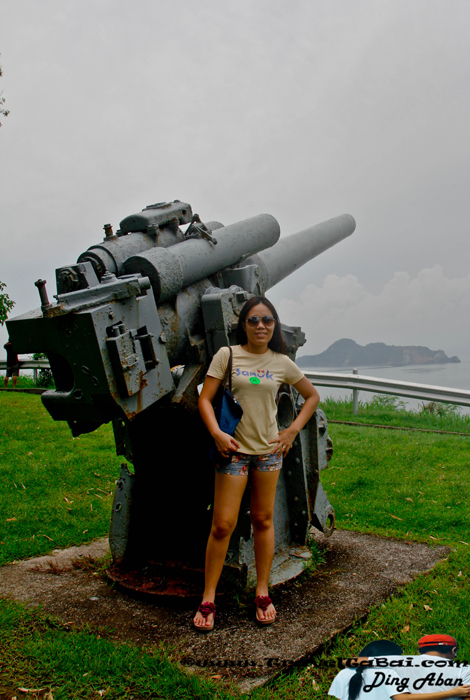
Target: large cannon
(129,340)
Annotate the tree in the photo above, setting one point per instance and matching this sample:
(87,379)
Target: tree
(3,112)
(6,304)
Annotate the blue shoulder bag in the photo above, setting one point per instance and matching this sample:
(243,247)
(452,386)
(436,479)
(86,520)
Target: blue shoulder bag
(228,412)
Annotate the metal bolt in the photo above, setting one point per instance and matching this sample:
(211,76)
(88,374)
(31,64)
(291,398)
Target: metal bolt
(144,284)
(45,303)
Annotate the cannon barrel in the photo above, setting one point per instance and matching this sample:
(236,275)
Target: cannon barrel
(292,252)
(112,253)
(173,268)
(256,274)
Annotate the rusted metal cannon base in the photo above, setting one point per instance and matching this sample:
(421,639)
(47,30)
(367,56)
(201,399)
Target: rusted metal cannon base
(178,579)
(173,579)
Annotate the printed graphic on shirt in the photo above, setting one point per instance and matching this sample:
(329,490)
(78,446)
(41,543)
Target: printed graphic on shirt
(259,374)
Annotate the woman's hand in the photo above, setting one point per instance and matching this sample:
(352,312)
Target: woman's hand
(462,691)
(225,443)
(284,441)
(286,437)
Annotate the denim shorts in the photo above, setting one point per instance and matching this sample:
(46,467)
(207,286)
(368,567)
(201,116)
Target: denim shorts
(242,464)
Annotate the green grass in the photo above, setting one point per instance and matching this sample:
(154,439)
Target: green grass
(389,410)
(56,490)
(400,483)
(75,665)
(371,478)
(24,381)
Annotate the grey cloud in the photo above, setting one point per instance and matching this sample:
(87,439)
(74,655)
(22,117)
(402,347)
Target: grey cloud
(428,309)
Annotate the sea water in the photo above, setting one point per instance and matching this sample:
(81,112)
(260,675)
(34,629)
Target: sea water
(451,375)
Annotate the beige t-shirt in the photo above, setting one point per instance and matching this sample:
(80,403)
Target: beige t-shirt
(255,383)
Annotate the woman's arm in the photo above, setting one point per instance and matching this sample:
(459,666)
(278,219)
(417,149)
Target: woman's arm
(286,437)
(225,443)
(461,691)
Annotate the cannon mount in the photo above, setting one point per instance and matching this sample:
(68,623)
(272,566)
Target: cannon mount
(135,323)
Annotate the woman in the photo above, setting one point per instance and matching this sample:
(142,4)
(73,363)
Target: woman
(260,366)
(382,683)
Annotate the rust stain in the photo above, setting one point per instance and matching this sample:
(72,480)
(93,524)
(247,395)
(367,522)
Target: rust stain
(114,395)
(160,580)
(143,380)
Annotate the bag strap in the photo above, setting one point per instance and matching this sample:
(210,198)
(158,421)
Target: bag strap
(228,372)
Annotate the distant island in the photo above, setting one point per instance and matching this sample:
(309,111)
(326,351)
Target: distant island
(347,353)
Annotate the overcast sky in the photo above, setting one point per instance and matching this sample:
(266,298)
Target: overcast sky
(304,109)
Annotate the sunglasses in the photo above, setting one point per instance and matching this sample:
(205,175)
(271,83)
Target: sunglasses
(267,321)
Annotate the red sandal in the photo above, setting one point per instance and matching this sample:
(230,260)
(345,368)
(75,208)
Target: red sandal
(205,609)
(263,602)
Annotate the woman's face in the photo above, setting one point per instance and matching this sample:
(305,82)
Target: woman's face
(259,335)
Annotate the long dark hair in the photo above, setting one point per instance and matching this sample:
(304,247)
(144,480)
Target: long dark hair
(382,647)
(277,342)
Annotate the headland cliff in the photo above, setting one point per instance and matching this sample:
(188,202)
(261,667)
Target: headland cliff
(347,353)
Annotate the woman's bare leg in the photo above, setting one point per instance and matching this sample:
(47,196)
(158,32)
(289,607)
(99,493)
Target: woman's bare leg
(228,495)
(263,494)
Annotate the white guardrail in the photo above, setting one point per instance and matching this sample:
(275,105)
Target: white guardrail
(35,365)
(358,382)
